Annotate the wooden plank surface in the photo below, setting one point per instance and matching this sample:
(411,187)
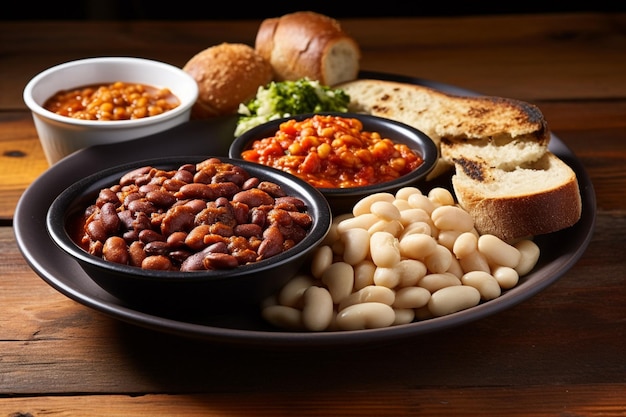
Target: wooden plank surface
(559,353)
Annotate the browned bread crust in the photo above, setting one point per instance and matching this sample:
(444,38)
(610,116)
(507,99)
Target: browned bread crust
(534,199)
(227,74)
(308,44)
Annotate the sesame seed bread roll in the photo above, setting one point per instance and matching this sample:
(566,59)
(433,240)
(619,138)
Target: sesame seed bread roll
(227,74)
(308,44)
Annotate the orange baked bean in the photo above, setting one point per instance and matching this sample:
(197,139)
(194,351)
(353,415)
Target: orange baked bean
(333,152)
(116,101)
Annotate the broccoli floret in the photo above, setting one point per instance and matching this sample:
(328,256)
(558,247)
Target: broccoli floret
(288,98)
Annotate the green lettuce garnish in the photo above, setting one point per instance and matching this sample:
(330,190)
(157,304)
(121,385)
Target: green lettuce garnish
(288,98)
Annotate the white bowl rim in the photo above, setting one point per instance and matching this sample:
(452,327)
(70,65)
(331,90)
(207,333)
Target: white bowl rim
(115,124)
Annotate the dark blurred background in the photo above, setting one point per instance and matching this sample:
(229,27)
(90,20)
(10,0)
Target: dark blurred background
(208,10)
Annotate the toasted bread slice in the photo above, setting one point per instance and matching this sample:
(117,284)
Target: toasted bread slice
(458,119)
(534,198)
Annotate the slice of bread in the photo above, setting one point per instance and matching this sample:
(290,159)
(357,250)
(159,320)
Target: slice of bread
(531,199)
(308,44)
(504,174)
(465,119)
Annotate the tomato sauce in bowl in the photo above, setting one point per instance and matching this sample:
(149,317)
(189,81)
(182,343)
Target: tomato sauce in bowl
(330,151)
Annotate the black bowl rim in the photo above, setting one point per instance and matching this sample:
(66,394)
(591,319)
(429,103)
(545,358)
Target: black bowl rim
(58,214)
(427,149)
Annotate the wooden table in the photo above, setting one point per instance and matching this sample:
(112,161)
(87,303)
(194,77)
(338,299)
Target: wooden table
(562,352)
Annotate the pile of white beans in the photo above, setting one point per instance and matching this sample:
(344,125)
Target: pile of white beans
(397,259)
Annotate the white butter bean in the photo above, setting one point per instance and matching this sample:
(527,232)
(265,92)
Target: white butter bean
(291,294)
(455,268)
(441,196)
(371,293)
(417,246)
(440,260)
(405,192)
(414,215)
(365,316)
(321,259)
(385,210)
(317,312)
(339,279)
(363,205)
(283,316)
(434,282)
(498,252)
(363,221)
(529,256)
(474,261)
(452,218)
(507,277)
(465,245)
(364,274)
(402,204)
(356,245)
(384,249)
(393,227)
(387,277)
(411,297)
(403,316)
(410,271)
(448,238)
(449,300)
(485,283)
(422,228)
(421,201)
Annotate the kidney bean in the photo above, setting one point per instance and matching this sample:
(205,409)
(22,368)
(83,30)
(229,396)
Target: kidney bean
(157,262)
(272,189)
(253,197)
(115,250)
(250,183)
(149,235)
(294,201)
(248,230)
(107,196)
(180,218)
(196,190)
(160,198)
(184,174)
(136,253)
(217,260)
(272,243)
(157,247)
(96,230)
(141,205)
(130,177)
(176,239)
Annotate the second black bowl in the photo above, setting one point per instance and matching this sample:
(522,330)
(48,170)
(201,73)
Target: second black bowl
(342,200)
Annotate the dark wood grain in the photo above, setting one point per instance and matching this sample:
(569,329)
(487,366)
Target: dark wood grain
(559,353)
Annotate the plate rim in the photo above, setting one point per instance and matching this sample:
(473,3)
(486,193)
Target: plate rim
(26,220)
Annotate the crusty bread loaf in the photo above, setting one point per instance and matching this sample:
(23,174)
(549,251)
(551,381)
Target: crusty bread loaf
(308,44)
(504,174)
(227,74)
(533,199)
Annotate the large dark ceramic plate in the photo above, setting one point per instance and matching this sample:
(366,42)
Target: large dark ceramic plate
(559,251)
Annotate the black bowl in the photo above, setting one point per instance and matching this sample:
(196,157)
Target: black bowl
(342,200)
(209,290)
